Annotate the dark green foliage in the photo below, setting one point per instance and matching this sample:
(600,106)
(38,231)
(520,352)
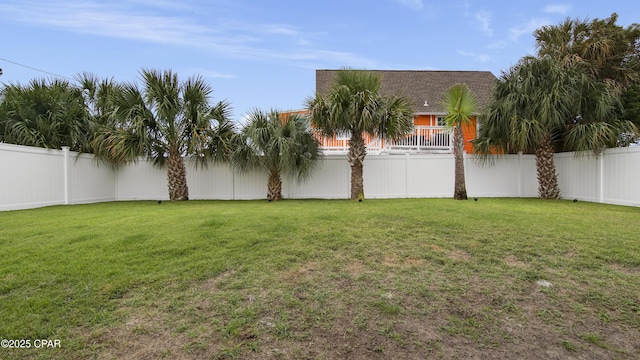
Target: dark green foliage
(355,106)
(610,50)
(280,143)
(631,104)
(44,113)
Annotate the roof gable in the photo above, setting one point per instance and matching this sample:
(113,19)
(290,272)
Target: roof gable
(422,85)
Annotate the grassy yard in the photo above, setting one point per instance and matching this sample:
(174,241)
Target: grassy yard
(415,278)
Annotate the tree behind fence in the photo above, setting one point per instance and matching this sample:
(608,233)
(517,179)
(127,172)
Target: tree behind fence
(34,177)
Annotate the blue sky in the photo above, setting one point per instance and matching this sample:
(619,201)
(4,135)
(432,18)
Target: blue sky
(263,54)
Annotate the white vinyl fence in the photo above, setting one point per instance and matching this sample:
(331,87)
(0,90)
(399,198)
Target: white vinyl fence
(34,177)
(613,178)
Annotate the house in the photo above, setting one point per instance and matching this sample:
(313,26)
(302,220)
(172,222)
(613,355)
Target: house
(425,89)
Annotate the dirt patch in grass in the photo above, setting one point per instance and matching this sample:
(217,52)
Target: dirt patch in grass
(345,340)
(212,284)
(355,268)
(414,262)
(459,255)
(627,270)
(436,248)
(143,336)
(398,262)
(344,315)
(350,319)
(304,271)
(513,261)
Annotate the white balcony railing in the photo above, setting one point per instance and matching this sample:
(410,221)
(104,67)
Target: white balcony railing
(422,139)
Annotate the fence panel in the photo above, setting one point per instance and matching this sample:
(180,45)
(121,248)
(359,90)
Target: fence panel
(506,175)
(430,175)
(141,181)
(385,176)
(331,180)
(578,175)
(215,181)
(31,177)
(90,181)
(621,176)
(250,186)
(34,177)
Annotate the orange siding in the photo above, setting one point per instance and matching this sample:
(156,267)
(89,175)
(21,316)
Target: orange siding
(469,133)
(285,114)
(424,120)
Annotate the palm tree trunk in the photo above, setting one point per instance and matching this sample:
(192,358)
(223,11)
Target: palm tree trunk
(177,175)
(546,169)
(460,187)
(357,152)
(274,186)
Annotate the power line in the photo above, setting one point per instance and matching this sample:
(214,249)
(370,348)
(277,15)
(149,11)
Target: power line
(36,69)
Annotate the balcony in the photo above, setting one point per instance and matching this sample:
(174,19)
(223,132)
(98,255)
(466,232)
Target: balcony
(423,139)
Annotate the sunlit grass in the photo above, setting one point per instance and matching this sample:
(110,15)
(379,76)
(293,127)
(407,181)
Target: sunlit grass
(231,279)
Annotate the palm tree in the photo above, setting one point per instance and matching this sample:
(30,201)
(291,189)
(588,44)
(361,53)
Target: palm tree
(460,104)
(611,51)
(97,94)
(165,121)
(281,144)
(631,103)
(608,54)
(355,106)
(541,106)
(529,107)
(43,113)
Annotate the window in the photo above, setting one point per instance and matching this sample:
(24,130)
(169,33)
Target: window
(441,121)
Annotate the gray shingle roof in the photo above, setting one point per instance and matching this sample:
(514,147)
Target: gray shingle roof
(422,85)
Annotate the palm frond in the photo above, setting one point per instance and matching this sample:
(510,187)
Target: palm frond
(44,113)
(277,142)
(460,105)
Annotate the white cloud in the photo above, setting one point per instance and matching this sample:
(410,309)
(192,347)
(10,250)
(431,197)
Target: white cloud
(244,119)
(499,44)
(216,74)
(282,30)
(484,18)
(233,39)
(111,21)
(528,28)
(478,57)
(557,9)
(413,4)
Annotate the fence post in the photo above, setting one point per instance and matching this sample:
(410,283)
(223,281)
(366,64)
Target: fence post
(406,175)
(600,176)
(520,175)
(65,174)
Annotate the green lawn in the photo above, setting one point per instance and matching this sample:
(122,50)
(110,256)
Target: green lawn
(320,279)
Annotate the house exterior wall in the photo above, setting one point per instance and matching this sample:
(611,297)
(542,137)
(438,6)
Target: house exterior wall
(425,120)
(469,131)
